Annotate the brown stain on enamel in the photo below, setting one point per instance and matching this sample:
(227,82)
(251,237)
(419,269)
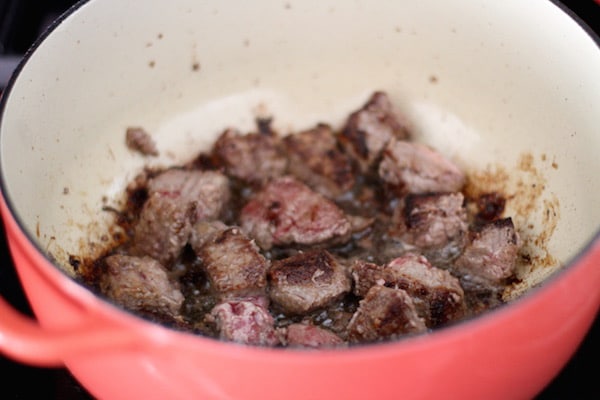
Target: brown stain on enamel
(535,210)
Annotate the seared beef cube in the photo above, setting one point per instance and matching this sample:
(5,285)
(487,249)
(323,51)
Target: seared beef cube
(436,224)
(252,158)
(141,284)
(490,207)
(490,257)
(207,190)
(316,160)
(176,200)
(415,168)
(307,281)
(310,336)
(366,275)
(369,129)
(287,211)
(232,262)
(204,231)
(139,140)
(244,321)
(384,313)
(437,295)
(163,228)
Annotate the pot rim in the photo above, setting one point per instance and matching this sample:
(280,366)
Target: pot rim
(130,317)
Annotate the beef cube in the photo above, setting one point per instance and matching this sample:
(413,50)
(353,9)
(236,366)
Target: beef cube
(384,313)
(436,294)
(205,231)
(208,190)
(316,160)
(287,211)
(490,207)
(436,224)
(139,140)
(307,281)
(366,275)
(416,168)
(253,158)
(177,199)
(232,262)
(244,321)
(141,284)
(311,336)
(163,228)
(490,257)
(368,130)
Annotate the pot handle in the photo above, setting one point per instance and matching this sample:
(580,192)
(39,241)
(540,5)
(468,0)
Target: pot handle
(24,340)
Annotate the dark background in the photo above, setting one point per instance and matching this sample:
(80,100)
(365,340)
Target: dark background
(21,22)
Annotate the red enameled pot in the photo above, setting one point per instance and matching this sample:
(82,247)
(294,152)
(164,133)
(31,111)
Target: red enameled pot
(509,88)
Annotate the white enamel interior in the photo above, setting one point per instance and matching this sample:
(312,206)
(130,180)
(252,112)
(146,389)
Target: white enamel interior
(483,81)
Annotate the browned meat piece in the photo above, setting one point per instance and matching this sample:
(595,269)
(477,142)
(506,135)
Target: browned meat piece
(176,200)
(436,224)
(204,231)
(139,140)
(490,206)
(307,281)
(316,160)
(311,336)
(369,129)
(141,284)
(253,158)
(437,295)
(287,211)
(208,190)
(231,260)
(384,313)
(415,168)
(366,275)
(244,321)
(490,256)
(163,228)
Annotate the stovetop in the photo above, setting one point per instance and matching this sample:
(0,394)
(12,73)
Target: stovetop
(21,22)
